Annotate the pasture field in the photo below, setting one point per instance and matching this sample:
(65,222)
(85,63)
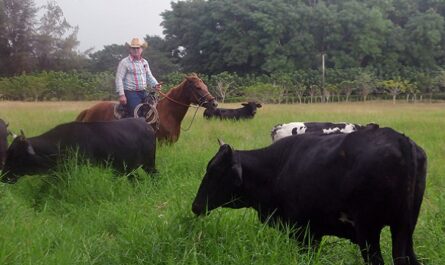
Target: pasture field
(82,214)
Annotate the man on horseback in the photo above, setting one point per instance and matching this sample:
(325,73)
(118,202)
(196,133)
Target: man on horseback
(135,84)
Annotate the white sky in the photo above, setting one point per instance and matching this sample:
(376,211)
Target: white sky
(105,22)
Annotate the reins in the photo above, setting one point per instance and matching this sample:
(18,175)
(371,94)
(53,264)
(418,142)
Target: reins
(174,100)
(185,105)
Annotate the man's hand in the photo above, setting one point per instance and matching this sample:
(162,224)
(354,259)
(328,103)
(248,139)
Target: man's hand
(123,100)
(158,86)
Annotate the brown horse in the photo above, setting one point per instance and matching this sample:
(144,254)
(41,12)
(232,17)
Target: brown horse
(171,108)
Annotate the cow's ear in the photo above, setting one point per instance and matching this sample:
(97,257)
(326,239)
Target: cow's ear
(258,105)
(245,104)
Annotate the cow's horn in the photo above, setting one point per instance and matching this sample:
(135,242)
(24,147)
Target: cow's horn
(22,133)
(221,143)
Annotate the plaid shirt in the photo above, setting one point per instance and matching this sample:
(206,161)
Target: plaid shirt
(133,75)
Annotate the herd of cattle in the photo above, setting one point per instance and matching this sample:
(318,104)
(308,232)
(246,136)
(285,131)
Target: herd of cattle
(339,179)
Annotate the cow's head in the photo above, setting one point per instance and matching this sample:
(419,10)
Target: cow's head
(21,159)
(252,106)
(221,183)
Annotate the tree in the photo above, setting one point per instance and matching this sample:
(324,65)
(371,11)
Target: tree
(347,87)
(224,84)
(394,87)
(108,58)
(365,83)
(425,35)
(56,41)
(30,43)
(159,57)
(284,82)
(17,19)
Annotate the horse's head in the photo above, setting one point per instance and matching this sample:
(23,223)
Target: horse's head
(200,93)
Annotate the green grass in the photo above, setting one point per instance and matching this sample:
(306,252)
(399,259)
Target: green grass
(82,214)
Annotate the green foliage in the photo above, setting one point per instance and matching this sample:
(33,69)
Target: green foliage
(263,92)
(82,214)
(58,86)
(396,86)
(284,36)
(34,41)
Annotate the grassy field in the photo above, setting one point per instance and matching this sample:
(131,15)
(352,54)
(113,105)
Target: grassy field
(88,215)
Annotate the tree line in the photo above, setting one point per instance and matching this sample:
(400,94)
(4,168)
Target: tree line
(273,50)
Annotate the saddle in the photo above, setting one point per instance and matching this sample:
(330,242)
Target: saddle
(146,110)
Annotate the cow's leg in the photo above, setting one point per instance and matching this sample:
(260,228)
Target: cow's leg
(402,245)
(410,252)
(368,239)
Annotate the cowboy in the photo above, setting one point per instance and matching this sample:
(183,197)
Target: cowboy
(132,77)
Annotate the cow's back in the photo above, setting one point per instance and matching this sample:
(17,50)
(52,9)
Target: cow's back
(371,169)
(130,141)
(283,130)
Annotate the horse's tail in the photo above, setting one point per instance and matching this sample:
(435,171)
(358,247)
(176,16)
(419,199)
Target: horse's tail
(82,115)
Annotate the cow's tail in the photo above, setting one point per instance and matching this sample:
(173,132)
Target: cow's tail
(409,164)
(420,168)
(81,115)
(413,188)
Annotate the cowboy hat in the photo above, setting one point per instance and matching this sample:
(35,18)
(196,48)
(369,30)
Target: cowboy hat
(137,43)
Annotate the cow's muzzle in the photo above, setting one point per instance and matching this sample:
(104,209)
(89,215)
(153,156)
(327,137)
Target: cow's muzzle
(212,104)
(199,209)
(9,179)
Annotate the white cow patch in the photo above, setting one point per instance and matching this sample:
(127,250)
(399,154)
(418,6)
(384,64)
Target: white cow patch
(284,130)
(331,130)
(287,129)
(349,128)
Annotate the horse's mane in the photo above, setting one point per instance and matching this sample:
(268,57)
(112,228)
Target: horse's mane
(182,84)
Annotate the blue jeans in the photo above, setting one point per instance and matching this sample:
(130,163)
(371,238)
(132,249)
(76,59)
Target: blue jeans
(134,98)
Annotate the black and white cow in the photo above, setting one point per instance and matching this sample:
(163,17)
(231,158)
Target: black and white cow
(286,129)
(3,141)
(246,112)
(346,185)
(126,143)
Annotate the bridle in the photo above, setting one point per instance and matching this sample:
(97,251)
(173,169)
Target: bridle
(201,100)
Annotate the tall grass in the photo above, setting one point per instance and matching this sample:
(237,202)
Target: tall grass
(82,214)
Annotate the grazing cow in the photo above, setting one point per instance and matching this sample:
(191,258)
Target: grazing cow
(346,185)
(286,129)
(127,144)
(3,141)
(246,112)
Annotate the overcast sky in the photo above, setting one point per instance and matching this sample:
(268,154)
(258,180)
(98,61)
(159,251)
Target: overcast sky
(105,22)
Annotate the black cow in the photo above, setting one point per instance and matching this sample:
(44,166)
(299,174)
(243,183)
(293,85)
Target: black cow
(127,144)
(286,129)
(347,185)
(246,112)
(3,141)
